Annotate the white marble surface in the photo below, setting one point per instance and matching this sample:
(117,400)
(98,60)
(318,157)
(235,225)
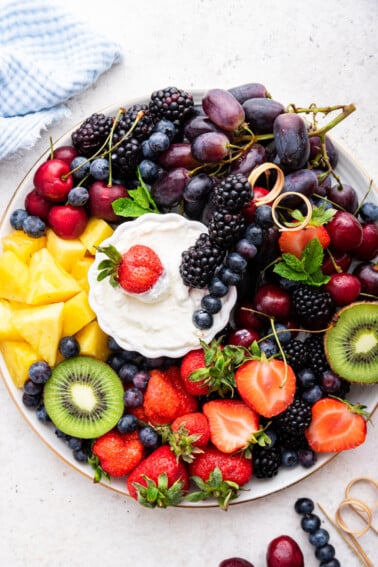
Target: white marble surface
(324,52)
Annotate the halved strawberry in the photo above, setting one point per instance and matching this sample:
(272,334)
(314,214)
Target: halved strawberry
(336,425)
(233,425)
(267,386)
(136,271)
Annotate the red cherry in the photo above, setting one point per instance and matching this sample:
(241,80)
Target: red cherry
(37,206)
(368,249)
(245,316)
(249,210)
(65,153)
(344,288)
(274,301)
(283,551)
(341,259)
(235,562)
(101,197)
(345,231)
(52,181)
(243,337)
(68,222)
(343,195)
(367,273)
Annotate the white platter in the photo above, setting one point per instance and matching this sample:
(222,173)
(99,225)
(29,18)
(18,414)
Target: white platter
(350,172)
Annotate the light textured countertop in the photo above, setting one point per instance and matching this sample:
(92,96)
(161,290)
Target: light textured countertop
(323,52)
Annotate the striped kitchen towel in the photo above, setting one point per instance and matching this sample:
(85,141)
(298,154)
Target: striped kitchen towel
(46,57)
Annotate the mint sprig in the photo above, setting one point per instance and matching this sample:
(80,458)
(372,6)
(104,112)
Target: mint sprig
(138,203)
(307,268)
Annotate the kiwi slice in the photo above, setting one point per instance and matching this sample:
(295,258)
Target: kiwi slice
(351,343)
(84,397)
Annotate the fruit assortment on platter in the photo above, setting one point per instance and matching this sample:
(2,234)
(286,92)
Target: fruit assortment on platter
(270,289)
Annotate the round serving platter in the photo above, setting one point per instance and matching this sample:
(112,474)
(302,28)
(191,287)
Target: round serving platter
(349,172)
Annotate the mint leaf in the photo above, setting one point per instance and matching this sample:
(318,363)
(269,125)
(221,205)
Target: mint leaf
(307,269)
(125,207)
(138,202)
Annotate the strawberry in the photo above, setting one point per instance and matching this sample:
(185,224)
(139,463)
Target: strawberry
(165,397)
(267,386)
(136,271)
(219,475)
(159,480)
(336,425)
(116,454)
(192,361)
(233,425)
(187,435)
(294,242)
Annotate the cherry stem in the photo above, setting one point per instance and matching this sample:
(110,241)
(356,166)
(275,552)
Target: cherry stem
(51,148)
(338,269)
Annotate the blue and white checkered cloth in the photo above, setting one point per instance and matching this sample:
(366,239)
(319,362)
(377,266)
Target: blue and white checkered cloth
(46,57)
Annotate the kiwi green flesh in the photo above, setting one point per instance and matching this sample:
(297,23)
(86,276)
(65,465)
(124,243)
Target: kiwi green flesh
(351,344)
(84,397)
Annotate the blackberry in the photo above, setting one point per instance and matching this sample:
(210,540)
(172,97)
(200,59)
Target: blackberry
(266,461)
(292,441)
(296,353)
(313,307)
(295,419)
(127,155)
(92,133)
(171,103)
(200,261)
(144,125)
(233,193)
(225,228)
(317,360)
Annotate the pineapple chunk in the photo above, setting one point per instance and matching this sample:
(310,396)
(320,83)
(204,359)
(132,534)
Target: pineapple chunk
(18,357)
(22,244)
(80,272)
(76,314)
(93,341)
(14,277)
(7,330)
(96,231)
(41,327)
(65,252)
(49,282)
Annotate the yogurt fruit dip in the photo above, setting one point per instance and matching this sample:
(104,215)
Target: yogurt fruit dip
(159,321)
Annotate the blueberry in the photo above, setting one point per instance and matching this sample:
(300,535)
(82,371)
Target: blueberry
(133,398)
(263,216)
(228,276)
(112,344)
(42,414)
(83,166)
(310,523)
(148,436)
(166,127)
(211,304)
(148,169)
(246,249)
(32,389)
(217,287)
(158,142)
(157,362)
(127,371)
(39,372)
(254,234)
(319,538)
(289,458)
(141,379)
(31,401)
(99,168)
(115,361)
(272,434)
(17,218)
(147,151)
(75,443)
(61,435)
(306,378)
(304,506)
(307,458)
(369,212)
(283,333)
(69,347)
(332,563)
(127,423)
(202,319)
(313,394)
(34,226)
(330,382)
(78,196)
(81,456)
(325,553)
(236,262)
(269,347)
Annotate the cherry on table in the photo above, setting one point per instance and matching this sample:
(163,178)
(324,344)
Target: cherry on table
(235,562)
(283,551)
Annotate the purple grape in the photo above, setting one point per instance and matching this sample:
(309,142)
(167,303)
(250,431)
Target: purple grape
(248,90)
(168,189)
(198,187)
(315,146)
(178,155)
(303,181)
(223,109)
(199,125)
(254,156)
(260,113)
(210,147)
(291,139)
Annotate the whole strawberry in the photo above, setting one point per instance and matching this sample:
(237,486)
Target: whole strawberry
(116,454)
(187,435)
(160,480)
(219,475)
(136,271)
(192,361)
